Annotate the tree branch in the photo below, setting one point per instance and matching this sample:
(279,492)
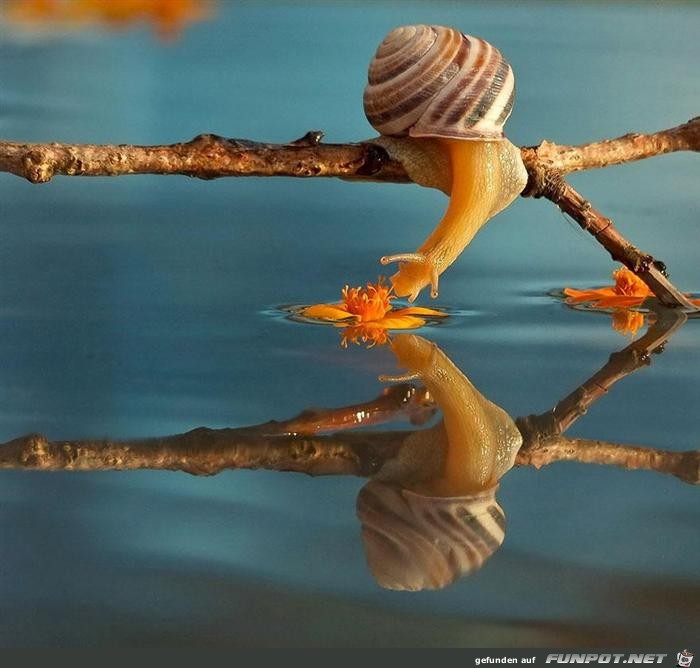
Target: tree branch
(628,148)
(206,156)
(209,156)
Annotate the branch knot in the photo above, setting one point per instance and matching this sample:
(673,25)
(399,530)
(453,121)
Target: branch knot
(37,168)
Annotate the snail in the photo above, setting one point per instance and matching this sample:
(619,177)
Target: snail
(431,516)
(439,99)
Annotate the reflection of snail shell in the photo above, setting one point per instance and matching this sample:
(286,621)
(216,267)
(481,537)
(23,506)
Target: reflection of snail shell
(433,81)
(415,542)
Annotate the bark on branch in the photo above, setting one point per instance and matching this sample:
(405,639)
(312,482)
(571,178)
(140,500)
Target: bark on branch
(628,148)
(206,156)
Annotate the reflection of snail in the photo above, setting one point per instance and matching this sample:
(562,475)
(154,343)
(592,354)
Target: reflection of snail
(424,526)
(450,94)
(481,438)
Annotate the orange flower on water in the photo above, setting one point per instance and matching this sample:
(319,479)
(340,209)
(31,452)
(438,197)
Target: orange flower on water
(629,292)
(367,315)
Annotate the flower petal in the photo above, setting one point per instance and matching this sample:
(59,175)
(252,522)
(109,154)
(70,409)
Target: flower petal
(577,296)
(329,312)
(418,310)
(400,322)
(620,301)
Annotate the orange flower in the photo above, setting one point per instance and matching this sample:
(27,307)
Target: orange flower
(366,314)
(629,292)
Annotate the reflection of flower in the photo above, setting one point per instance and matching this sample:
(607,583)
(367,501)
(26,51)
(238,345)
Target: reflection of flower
(627,322)
(629,292)
(366,314)
(167,16)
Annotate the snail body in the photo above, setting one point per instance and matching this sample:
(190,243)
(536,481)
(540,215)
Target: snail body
(457,91)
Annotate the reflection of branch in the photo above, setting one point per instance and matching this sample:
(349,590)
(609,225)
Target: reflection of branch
(684,465)
(635,356)
(281,446)
(207,451)
(543,440)
(395,402)
(210,156)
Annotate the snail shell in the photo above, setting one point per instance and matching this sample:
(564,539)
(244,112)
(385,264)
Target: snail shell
(433,81)
(414,542)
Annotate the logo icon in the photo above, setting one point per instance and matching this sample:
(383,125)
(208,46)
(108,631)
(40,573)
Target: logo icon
(684,658)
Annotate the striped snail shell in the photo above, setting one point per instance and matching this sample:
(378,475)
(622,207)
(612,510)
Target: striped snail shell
(433,81)
(414,542)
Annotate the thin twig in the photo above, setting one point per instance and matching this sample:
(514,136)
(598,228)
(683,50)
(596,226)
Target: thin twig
(637,355)
(543,440)
(402,401)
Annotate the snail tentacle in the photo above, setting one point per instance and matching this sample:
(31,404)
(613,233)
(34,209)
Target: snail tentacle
(400,378)
(404,257)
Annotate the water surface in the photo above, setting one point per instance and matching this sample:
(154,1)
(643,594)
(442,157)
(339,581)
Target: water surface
(139,306)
